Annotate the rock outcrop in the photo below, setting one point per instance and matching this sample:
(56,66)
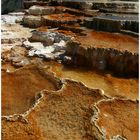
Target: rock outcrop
(40,10)
(58,20)
(11,5)
(58,79)
(51,16)
(47,44)
(113,23)
(102,56)
(32,21)
(124,6)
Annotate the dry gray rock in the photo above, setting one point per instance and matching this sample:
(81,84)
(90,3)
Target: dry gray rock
(49,37)
(41,10)
(52,52)
(32,21)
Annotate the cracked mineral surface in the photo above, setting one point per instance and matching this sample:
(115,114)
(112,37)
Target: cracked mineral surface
(117,113)
(70,70)
(23,85)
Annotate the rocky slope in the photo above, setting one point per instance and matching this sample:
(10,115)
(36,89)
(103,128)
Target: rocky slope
(43,98)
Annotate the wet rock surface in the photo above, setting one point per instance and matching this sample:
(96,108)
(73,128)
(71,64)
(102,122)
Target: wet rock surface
(111,86)
(20,88)
(105,52)
(61,123)
(110,112)
(57,74)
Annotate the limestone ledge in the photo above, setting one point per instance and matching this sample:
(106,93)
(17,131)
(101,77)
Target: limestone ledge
(103,59)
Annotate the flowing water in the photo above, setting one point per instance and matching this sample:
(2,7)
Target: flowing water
(112,86)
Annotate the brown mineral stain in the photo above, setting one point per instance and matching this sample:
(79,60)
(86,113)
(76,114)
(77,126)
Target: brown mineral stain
(8,67)
(109,40)
(119,117)
(112,86)
(63,16)
(43,29)
(65,114)
(12,130)
(20,87)
(69,33)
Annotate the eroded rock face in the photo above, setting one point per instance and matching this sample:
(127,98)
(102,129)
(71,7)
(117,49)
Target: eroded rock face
(40,10)
(51,52)
(116,6)
(49,37)
(36,104)
(75,4)
(63,9)
(32,21)
(47,43)
(113,23)
(104,25)
(106,53)
(57,20)
(122,117)
(51,16)
(53,20)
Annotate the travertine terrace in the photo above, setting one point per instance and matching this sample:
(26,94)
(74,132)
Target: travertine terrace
(69,70)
